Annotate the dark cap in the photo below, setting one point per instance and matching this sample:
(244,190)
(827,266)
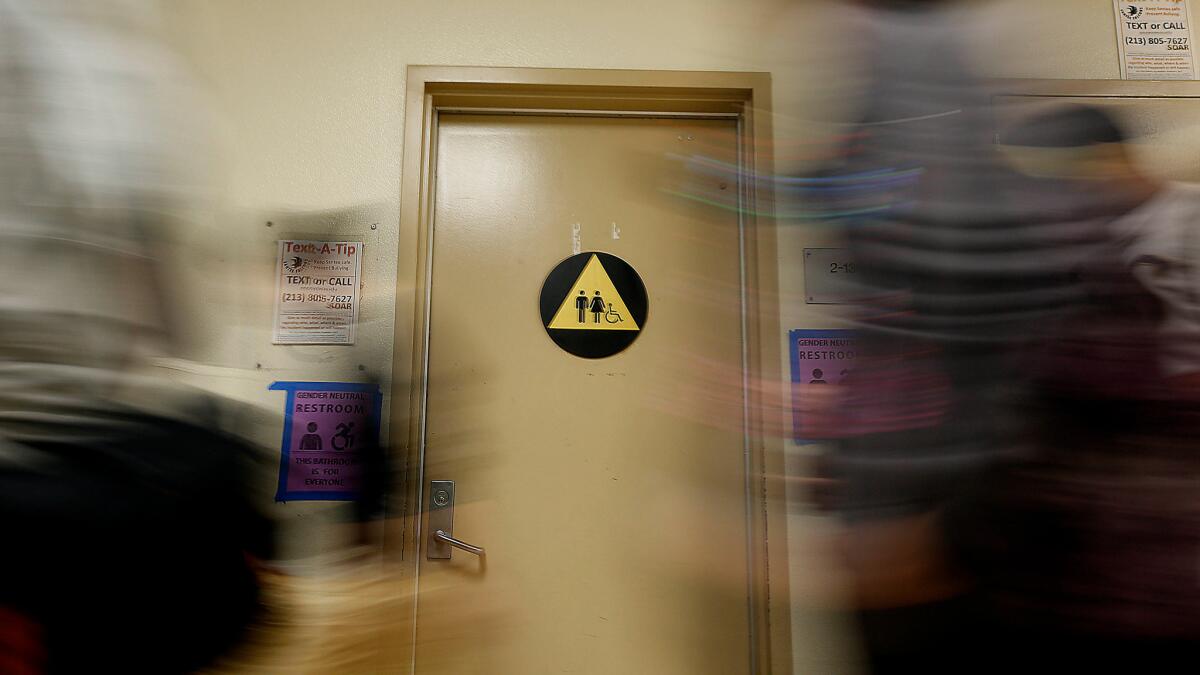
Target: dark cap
(1066,126)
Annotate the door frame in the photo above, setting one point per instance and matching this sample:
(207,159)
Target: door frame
(744,97)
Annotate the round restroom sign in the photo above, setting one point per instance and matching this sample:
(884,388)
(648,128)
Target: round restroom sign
(593,305)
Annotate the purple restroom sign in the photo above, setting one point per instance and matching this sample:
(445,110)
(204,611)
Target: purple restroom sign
(820,358)
(328,430)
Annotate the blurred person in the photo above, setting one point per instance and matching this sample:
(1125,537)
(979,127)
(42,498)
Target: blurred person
(963,266)
(1157,238)
(371,502)
(1085,545)
(128,530)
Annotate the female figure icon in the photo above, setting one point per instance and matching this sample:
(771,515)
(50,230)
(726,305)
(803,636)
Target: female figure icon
(597,308)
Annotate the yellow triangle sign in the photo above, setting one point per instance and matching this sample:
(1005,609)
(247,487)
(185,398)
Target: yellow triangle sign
(593,303)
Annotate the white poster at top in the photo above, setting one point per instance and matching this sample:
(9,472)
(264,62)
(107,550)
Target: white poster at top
(1154,38)
(316,292)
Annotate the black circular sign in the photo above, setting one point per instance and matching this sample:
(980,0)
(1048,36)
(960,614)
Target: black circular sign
(594,305)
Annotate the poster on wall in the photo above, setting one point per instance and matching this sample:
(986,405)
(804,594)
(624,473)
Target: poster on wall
(330,430)
(1154,38)
(316,292)
(820,359)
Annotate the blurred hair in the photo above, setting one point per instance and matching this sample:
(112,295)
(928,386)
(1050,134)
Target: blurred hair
(1065,126)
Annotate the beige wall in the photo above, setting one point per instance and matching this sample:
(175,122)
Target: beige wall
(308,98)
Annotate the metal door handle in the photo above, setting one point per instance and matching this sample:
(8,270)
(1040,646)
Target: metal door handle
(441,535)
(441,540)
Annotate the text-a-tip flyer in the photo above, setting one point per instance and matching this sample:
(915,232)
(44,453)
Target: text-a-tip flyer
(317,292)
(1154,38)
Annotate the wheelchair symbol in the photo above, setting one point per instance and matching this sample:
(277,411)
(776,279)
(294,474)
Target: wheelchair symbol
(612,315)
(344,438)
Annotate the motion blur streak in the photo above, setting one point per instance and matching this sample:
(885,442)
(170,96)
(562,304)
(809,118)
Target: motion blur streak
(1010,453)
(128,524)
(1007,475)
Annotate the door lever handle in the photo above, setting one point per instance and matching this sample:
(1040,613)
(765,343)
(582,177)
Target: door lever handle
(441,540)
(441,535)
